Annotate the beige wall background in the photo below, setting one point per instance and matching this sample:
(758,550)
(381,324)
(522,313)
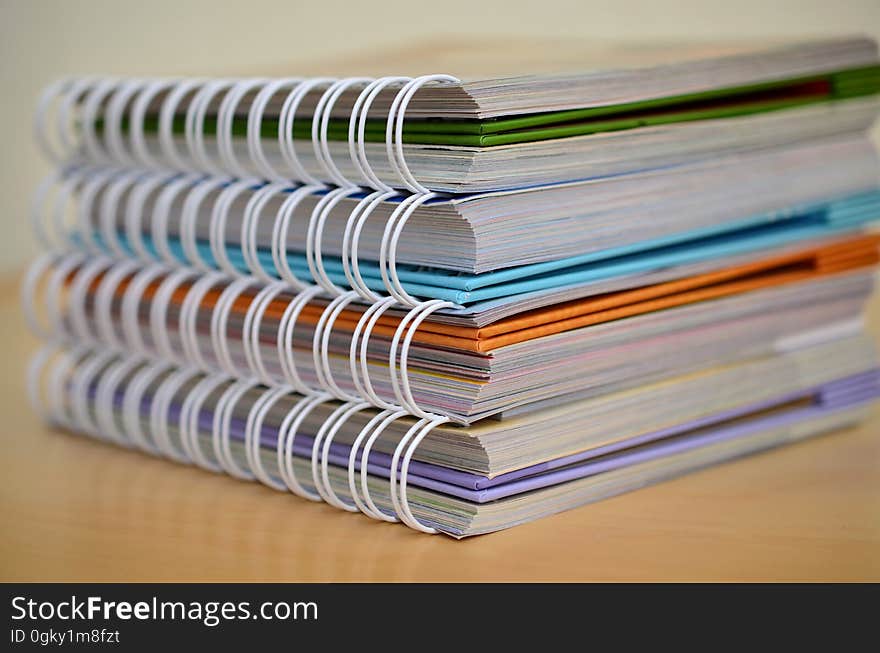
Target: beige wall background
(41,40)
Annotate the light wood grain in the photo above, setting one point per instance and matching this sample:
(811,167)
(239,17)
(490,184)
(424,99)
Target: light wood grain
(75,509)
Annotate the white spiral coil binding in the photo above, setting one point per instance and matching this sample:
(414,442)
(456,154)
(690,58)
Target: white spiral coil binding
(121,105)
(109,275)
(189,419)
(107,102)
(253,432)
(104,395)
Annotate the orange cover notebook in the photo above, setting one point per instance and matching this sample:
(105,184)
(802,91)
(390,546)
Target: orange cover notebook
(813,262)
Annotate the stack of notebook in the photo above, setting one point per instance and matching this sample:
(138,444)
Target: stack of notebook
(457,304)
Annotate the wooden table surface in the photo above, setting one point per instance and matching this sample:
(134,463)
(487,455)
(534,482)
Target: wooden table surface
(76,509)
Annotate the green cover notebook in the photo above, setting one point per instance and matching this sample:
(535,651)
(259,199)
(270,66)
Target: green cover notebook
(707,105)
(460,136)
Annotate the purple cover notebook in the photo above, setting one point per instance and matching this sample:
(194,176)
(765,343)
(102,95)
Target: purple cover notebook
(838,395)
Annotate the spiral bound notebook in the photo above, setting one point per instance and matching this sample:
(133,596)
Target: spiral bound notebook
(443,134)
(139,212)
(462,304)
(243,336)
(249,440)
